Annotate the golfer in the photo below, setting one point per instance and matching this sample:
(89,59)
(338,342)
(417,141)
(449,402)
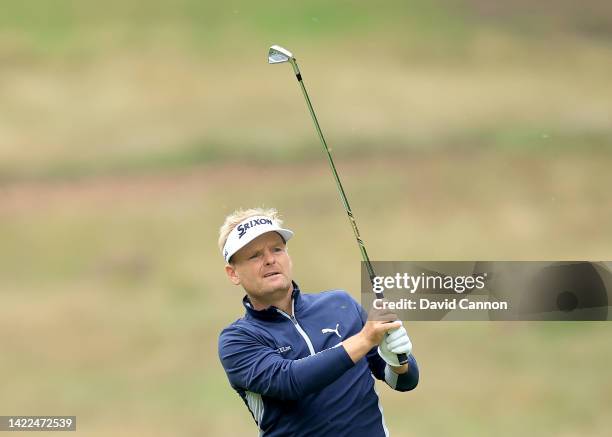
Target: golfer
(303,363)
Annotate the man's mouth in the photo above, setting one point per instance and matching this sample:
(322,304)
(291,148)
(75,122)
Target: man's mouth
(267,275)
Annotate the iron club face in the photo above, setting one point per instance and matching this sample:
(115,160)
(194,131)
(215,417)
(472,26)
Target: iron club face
(278,55)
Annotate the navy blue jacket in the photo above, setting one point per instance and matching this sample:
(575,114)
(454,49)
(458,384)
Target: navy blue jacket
(295,377)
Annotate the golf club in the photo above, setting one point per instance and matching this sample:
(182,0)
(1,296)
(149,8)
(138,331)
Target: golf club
(279,55)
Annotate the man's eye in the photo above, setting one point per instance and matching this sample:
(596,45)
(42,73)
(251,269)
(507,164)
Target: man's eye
(255,255)
(278,249)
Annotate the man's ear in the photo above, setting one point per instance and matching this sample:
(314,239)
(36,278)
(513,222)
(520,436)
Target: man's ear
(230,271)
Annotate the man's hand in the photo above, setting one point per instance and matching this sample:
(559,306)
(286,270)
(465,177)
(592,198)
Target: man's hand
(372,333)
(394,343)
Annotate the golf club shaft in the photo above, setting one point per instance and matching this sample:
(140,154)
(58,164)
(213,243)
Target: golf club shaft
(402,358)
(345,202)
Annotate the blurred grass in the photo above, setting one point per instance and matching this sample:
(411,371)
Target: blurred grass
(92,88)
(104,118)
(66,27)
(461,129)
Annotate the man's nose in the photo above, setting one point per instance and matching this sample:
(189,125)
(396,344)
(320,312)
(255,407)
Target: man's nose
(269,257)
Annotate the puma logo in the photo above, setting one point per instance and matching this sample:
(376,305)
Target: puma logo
(329,330)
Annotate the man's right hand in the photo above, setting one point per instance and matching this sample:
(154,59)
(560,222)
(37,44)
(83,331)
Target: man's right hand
(372,333)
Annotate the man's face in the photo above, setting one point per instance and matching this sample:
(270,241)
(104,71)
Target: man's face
(263,267)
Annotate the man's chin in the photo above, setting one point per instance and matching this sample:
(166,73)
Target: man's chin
(273,285)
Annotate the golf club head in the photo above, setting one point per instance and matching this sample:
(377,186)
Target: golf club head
(278,55)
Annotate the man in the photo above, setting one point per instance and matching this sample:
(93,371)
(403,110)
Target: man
(303,363)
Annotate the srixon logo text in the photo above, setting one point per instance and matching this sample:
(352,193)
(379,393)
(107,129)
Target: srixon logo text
(245,227)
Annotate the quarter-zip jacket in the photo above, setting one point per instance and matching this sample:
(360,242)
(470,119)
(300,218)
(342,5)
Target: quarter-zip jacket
(297,379)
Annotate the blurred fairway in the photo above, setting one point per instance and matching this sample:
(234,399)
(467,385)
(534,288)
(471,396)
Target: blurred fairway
(462,130)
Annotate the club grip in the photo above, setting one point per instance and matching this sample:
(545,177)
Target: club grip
(402,358)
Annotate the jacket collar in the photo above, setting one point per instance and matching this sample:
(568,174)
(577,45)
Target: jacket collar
(271,313)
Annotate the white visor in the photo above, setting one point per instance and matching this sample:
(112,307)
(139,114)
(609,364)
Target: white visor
(249,229)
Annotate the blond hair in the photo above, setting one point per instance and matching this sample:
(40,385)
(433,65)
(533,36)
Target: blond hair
(232,220)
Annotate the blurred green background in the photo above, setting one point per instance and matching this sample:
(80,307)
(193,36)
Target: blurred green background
(463,130)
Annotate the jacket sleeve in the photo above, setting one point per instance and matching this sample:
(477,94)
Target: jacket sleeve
(256,367)
(382,371)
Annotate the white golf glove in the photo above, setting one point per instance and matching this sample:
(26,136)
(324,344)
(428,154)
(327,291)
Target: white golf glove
(393,343)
